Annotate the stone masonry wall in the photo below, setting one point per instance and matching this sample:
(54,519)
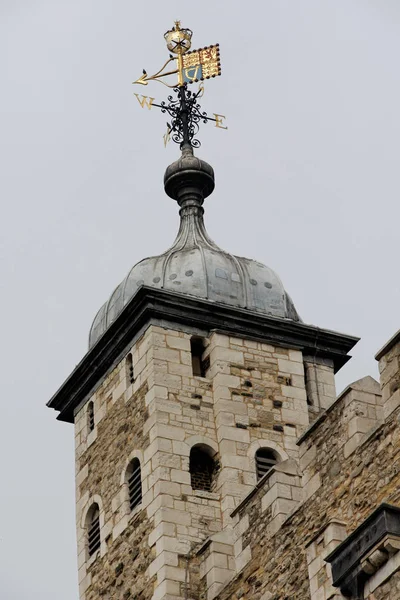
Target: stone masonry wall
(266,539)
(253,396)
(339,488)
(259,401)
(117,571)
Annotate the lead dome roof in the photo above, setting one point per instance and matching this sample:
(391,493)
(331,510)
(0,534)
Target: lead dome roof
(195,265)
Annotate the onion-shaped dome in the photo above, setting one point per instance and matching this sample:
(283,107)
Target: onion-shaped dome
(195,265)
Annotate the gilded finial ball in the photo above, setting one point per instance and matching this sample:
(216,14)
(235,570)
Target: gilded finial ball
(178,40)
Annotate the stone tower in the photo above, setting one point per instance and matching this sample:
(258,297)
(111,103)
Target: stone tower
(199,379)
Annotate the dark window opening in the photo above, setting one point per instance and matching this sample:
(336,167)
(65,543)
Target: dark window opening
(307,384)
(199,365)
(90,416)
(93,529)
(265,460)
(202,469)
(134,481)
(130,375)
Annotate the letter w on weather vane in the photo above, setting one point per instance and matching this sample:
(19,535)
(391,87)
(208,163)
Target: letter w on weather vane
(192,66)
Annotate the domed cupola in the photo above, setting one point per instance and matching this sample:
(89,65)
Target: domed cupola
(195,265)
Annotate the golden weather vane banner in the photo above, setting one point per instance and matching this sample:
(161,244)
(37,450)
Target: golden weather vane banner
(198,65)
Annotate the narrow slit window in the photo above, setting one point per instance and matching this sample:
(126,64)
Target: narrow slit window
(265,460)
(93,530)
(134,481)
(202,469)
(130,374)
(307,385)
(199,366)
(90,416)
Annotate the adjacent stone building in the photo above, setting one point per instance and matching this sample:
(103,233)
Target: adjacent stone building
(213,457)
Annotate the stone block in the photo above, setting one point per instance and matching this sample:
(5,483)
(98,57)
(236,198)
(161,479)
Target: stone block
(120,527)
(180,476)
(352,444)
(162,500)
(169,432)
(383,574)
(290,367)
(178,343)
(180,448)
(227,447)
(234,434)
(223,380)
(172,544)
(117,392)
(167,487)
(217,575)
(163,529)
(243,558)
(295,417)
(227,355)
(242,526)
(81,476)
(171,573)
(157,391)
(282,506)
(213,590)
(230,406)
(180,369)
(173,382)
(360,425)
(172,516)
(218,339)
(222,548)
(243,463)
(296,356)
(312,486)
(166,589)
(391,404)
(163,559)
(225,418)
(294,392)
(315,565)
(221,393)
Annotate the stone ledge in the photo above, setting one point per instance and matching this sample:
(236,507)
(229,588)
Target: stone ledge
(150,304)
(287,467)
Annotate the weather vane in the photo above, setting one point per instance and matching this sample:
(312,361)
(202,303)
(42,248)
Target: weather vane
(192,66)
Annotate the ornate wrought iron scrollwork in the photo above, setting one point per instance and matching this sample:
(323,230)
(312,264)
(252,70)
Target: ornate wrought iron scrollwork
(186,115)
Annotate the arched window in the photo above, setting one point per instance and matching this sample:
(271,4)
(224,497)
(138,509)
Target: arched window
(134,482)
(130,375)
(199,366)
(265,460)
(202,469)
(90,416)
(93,529)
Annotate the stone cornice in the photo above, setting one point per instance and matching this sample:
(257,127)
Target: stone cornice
(348,570)
(151,304)
(388,346)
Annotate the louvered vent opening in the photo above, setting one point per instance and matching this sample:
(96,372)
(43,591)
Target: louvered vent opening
(94,531)
(265,460)
(134,484)
(130,375)
(201,470)
(90,416)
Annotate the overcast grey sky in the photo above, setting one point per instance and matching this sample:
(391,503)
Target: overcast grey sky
(307,182)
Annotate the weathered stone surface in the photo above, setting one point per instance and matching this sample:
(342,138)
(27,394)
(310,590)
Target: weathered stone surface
(265,539)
